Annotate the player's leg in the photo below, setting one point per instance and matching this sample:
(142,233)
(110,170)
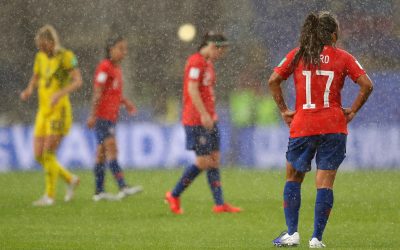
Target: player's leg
(330,154)
(51,165)
(48,198)
(194,140)
(111,152)
(101,130)
(214,176)
(299,155)
(99,169)
(57,127)
(39,149)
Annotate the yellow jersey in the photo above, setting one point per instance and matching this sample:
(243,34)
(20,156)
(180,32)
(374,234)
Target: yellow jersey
(53,75)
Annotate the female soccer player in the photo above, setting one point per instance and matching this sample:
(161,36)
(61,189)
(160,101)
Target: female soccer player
(200,122)
(55,74)
(107,99)
(319,124)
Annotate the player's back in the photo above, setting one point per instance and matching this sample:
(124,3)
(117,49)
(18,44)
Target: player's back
(318,93)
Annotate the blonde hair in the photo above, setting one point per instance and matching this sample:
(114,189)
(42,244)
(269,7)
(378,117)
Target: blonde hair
(49,33)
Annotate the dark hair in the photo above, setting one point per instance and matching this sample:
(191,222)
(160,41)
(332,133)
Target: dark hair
(316,32)
(219,39)
(111,42)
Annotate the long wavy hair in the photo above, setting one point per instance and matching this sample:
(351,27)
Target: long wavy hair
(49,33)
(316,32)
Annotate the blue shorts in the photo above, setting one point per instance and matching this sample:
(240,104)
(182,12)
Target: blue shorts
(202,140)
(330,150)
(104,129)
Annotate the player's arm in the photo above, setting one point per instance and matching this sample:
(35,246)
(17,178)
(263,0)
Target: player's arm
(274,83)
(75,84)
(129,105)
(27,92)
(366,87)
(194,93)
(98,91)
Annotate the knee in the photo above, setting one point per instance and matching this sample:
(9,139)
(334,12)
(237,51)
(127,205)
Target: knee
(295,176)
(111,150)
(100,157)
(203,162)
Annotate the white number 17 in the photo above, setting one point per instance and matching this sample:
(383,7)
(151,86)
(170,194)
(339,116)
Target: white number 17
(307,74)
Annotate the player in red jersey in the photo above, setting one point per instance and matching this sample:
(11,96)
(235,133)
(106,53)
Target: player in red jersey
(107,99)
(200,121)
(318,126)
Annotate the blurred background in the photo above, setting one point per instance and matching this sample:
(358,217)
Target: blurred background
(261,33)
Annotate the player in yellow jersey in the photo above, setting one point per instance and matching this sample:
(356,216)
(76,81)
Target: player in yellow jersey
(55,75)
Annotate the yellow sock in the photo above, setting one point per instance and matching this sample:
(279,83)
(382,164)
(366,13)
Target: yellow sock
(64,173)
(41,160)
(51,174)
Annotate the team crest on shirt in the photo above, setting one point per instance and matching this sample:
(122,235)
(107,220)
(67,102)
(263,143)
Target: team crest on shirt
(202,140)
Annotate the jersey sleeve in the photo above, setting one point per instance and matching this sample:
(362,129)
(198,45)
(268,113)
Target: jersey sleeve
(195,69)
(69,60)
(354,68)
(102,73)
(36,64)
(284,68)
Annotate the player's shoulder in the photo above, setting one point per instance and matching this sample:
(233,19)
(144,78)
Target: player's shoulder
(66,53)
(292,52)
(196,58)
(105,64)
(39,55)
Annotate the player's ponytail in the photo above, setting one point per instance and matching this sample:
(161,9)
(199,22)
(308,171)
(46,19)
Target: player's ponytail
(48,33)
(316,32)
(111,42)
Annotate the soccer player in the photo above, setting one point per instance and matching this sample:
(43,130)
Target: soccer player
(107,99)
(200,121)
(56,75)
(318,126)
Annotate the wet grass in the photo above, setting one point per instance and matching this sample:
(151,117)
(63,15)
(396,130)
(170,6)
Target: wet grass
(366,213)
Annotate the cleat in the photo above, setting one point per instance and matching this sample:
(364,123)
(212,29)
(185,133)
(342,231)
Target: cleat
(226,208)
(104,196)
(286,240)
(174,203)
(43,202)
(71,188)
(126,191)
(315,243)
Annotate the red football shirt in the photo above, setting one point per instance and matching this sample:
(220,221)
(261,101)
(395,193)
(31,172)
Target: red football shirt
(198,69)
(109,77)
(318,97)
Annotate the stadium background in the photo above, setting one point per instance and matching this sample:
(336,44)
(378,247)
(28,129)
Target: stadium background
(261,33)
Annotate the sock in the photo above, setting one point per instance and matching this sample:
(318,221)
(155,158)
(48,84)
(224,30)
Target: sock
(189,174)
(291,205)
(51,174)
(323,206)
(117,172)
(214,180)
(99,173)
(64,173)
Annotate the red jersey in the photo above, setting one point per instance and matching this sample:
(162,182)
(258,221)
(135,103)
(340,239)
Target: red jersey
(109,77)
(198,69)
(318,91)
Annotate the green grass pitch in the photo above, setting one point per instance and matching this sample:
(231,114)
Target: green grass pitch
(366,213)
